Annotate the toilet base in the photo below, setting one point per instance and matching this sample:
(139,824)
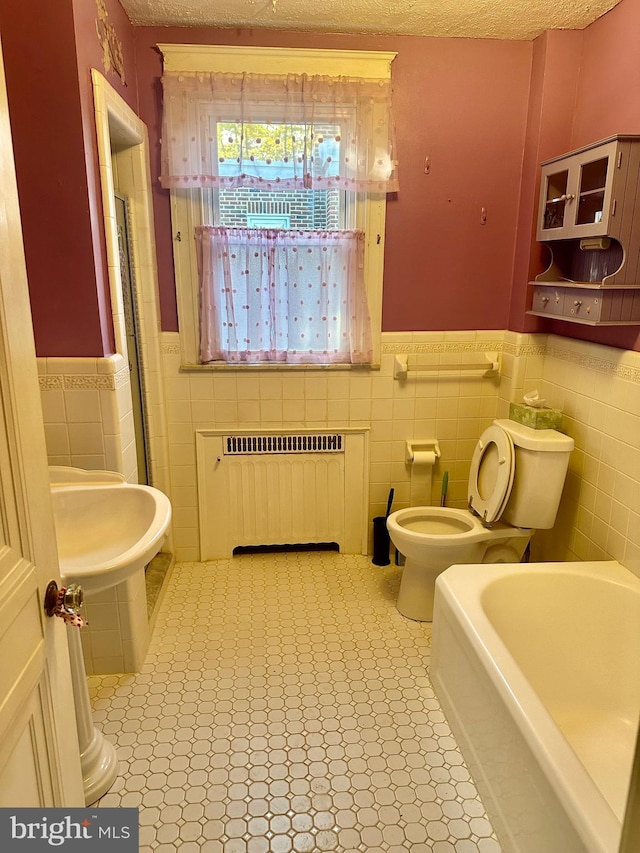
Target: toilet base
(417,591)
(418,581)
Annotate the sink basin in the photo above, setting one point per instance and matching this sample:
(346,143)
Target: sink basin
(64,475)
(106,532)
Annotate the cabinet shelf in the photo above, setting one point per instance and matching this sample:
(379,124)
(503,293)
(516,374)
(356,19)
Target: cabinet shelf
(578,190)
(589,285)
(585,322)
(587,193)
(588,303)
(585,196)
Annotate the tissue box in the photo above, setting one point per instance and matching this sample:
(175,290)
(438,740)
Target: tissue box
(535,418)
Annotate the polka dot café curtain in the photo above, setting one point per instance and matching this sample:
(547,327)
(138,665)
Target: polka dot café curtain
(271,295)
(277,132)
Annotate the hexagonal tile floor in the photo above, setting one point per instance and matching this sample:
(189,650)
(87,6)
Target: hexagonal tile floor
(285,705)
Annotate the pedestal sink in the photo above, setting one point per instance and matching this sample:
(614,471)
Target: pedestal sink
(105,532)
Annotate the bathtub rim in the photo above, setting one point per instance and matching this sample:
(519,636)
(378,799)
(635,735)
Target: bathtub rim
(598,824)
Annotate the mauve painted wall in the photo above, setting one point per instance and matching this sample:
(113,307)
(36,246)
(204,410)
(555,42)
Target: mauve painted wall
(485,112)
(461,102)
(600,97)
(44,107)
(556,56)
(464,104)
(49,49)
(90,55)
(608,100)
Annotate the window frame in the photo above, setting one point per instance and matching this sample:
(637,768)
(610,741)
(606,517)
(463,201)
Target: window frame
(187,205)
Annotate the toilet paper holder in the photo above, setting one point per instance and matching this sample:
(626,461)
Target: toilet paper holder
(420,446)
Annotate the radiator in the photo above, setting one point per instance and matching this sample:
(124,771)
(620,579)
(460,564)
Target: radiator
(281,489)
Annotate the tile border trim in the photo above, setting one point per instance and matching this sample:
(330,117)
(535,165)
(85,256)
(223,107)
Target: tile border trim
(443,347)
(591,362)
(530,346)
(84,381)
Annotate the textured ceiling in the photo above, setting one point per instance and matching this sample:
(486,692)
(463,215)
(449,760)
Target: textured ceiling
(500,19)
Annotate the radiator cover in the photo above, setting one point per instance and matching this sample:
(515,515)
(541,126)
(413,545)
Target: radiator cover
(269,488)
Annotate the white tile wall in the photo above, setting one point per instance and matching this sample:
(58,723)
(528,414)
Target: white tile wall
(455,409)
(117,637)
(597,387)
(87,411)
(88,419)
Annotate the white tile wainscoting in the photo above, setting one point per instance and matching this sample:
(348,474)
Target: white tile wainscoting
(453,409)
(597,387)
(598,390)
(117,636)
(88,415)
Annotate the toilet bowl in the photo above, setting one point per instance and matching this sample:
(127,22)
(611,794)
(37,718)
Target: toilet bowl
(515,483)
(434,538)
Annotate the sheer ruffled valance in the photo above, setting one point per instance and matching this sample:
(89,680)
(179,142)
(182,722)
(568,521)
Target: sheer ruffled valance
(277,132)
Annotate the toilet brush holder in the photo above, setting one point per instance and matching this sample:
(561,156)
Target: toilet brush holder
(381,541)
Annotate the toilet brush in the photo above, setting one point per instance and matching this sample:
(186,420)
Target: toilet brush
(389,502)
(445,486)
(381,539)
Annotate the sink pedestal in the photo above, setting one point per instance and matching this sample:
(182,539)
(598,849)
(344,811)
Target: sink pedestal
(98,757)
(106,531)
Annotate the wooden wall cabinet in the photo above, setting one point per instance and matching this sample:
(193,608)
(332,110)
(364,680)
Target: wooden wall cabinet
(588,201)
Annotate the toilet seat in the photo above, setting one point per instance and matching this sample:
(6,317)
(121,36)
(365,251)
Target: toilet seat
(491,474)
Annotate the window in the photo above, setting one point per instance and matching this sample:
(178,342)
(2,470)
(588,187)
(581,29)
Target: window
(293,208)
(281,240)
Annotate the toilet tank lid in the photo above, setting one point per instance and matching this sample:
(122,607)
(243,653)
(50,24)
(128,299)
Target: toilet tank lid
(536,439)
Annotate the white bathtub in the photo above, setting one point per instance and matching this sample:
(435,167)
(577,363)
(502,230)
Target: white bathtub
(537,668)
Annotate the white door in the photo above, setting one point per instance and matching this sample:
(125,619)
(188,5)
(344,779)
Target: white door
(39,756)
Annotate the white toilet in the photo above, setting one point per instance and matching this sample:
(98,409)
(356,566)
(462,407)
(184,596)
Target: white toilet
(515,484)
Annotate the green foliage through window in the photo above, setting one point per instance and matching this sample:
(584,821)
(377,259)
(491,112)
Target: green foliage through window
(270,142)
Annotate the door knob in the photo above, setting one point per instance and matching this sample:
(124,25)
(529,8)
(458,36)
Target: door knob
(65,603)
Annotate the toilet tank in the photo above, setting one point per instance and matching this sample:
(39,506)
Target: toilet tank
(541,463)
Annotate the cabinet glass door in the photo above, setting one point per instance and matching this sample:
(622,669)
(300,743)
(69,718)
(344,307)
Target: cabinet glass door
(553,214)
(591,190)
